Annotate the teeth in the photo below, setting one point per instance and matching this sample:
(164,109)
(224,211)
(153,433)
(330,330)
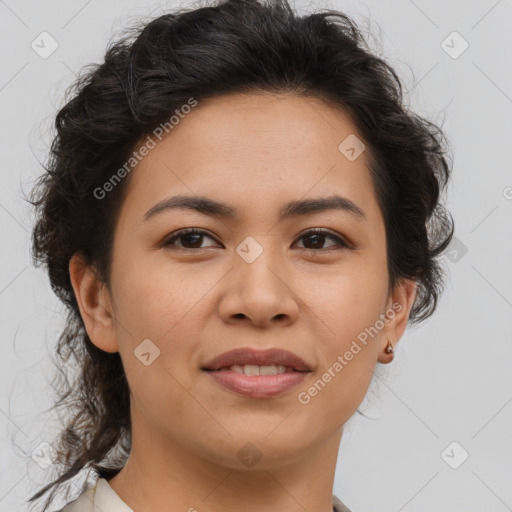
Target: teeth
(252,369)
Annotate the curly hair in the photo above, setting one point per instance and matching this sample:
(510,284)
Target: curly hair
(233,46)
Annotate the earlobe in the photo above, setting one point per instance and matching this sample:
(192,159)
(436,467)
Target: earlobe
(94,303)
(398,311)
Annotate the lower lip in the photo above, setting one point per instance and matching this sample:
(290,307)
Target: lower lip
(258,386)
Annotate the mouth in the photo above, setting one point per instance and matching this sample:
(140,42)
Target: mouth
(253,370)
(256,386)
(264,362)
(258,374)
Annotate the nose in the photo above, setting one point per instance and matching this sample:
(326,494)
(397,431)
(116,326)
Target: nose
(259,293)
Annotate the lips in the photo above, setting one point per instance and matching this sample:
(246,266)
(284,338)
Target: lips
(242,357)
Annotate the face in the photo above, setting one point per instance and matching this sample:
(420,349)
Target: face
(254,278)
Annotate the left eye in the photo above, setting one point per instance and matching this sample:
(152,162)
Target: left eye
(318,235)
(192,238)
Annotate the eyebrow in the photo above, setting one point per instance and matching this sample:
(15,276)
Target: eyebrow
(214,208)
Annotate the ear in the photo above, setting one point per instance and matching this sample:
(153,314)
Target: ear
(397,312)
(95,304)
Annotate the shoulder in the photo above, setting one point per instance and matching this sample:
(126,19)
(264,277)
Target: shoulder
(97,497)
(83,503)
(337,505)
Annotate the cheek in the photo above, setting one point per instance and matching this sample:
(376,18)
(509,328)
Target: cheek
(156,303)
(361,306)
(151,296)
(348,300)
(348,350)
(164,303)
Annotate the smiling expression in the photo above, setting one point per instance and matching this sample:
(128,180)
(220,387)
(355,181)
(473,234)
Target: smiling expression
(246,227)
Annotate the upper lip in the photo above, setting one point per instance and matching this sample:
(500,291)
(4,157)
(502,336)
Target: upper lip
(268,357)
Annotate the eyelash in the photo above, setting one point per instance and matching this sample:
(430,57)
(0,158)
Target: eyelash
(317,231)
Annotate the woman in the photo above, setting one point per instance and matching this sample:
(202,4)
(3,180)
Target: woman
(242,218)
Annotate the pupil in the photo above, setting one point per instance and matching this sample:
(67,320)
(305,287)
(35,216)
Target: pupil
(316,236)
(193,235)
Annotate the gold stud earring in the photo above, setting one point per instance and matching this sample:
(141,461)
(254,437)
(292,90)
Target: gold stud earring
(389,348)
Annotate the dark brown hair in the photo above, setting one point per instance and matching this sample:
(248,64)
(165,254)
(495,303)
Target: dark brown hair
(236,46)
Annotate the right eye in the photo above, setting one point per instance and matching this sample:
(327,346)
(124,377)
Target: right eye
(191,237)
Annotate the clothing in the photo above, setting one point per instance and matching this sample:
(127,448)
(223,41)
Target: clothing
(102,498)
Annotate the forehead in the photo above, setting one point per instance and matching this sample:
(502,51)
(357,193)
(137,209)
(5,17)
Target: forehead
(254,150)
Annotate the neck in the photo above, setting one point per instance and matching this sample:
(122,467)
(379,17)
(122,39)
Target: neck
(161,475)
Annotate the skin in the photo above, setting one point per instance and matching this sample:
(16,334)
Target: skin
(255,152)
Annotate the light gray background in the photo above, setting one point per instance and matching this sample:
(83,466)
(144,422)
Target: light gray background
(451,377)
